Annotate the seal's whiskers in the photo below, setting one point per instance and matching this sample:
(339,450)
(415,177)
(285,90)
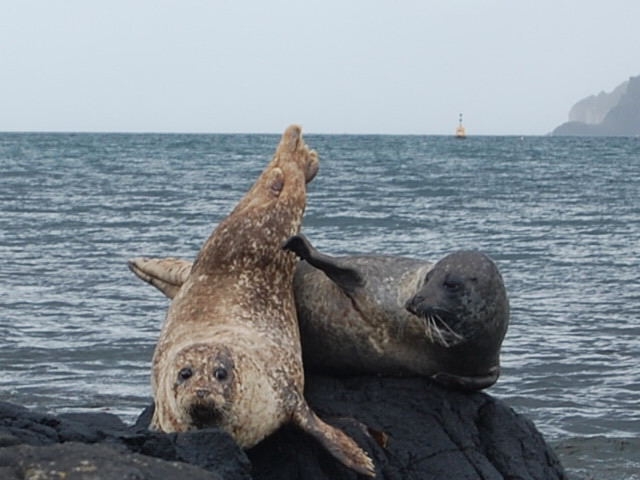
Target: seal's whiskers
(439,331)
(439,334)
(428,327)
(456,336)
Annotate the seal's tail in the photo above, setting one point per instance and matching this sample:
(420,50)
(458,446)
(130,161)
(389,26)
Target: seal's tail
(338,443)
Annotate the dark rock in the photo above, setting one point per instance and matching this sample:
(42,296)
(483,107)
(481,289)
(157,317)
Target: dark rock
(226,458)
(81,461)
(27,427)
(410,427)
(430,433)
(211,450)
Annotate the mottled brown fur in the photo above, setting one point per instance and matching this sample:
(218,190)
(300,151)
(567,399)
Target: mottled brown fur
(236,313)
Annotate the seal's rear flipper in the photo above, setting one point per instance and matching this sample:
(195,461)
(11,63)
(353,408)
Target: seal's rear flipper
(166,274)
(459,382)
(338,443)
(347,278)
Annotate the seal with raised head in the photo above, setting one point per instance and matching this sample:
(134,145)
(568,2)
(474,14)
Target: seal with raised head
(402,316)
(229,351)
(388,315)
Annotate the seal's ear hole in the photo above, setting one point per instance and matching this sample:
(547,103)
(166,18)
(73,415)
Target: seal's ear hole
(185,374)
(220,374)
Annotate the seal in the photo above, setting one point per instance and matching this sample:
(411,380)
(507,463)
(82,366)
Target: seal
(402,316)
(388,315)
(229,351)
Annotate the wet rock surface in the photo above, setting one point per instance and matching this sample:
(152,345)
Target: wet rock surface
(73,460)
(117,451)
(410,427)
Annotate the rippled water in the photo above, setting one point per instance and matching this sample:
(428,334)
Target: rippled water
(561,216)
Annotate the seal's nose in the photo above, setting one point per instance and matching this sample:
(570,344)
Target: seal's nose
(413,303)
(202,393)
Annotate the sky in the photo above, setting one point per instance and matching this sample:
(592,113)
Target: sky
(512,67)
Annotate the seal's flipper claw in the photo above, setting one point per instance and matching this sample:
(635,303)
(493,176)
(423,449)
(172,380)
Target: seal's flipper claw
(459,382)
(347,278)
(338,443)
(381,437)
(166,274)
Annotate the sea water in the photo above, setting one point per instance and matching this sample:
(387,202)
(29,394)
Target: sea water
(560,216)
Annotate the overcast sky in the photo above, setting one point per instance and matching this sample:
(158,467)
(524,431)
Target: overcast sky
(335,66)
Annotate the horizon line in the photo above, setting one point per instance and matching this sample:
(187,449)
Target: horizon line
(166,132)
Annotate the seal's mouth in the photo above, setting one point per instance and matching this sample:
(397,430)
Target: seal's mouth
(205,415)
(437,324)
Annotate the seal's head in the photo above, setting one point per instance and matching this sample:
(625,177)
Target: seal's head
(463,300)
(204,385)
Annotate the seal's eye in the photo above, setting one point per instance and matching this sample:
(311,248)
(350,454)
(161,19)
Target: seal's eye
(452,284)
(185,374)
(220,373)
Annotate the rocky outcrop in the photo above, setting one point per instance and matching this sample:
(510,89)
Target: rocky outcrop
(411,427)
(621,118)
(84,461)
(68,446)
(593,109)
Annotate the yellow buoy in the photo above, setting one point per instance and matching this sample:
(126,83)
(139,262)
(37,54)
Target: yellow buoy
(460,131)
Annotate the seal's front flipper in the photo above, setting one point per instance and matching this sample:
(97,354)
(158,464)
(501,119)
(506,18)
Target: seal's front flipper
(338,443)
(347,278)
(459,382)
(166,274)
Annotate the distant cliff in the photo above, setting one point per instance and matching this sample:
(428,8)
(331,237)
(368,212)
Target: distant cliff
(607,114)
(593,109)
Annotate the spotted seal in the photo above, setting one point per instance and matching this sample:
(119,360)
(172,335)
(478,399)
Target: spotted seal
(387,314)
(229,351)
(402,316)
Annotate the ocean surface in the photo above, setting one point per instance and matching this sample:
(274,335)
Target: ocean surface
(560,216)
